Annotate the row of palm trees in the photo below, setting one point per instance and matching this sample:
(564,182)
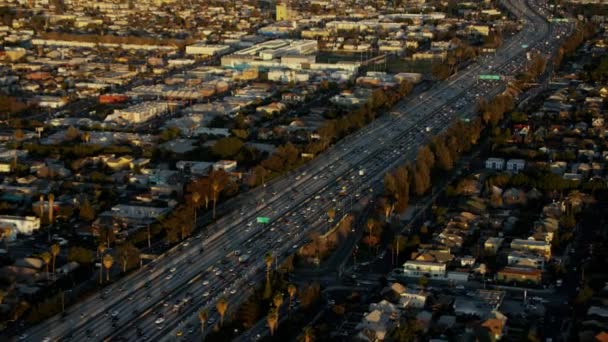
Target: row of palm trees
(50,256)
(273,315)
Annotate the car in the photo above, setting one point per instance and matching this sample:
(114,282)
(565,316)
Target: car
(160,320)
(206,294)
(205,282)
(179,333)
(23,337)
(233,291)
(115,313)
(169,277)
(173,270)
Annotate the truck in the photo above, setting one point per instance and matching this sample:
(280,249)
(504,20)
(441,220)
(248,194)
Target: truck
(361,172)
(243,257)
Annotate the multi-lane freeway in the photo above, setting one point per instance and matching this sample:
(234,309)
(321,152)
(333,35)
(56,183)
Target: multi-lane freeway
(161,301)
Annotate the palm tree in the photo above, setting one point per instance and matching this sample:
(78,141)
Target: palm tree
(307,334)
(277,300)
(108,261)
(55,252)
(273,320)
(5,234)
(51,204)
(46,258)
(41,206)
(331,214)
(370,226)
(100,249)
(388,208)
(86,137)
(291,289)
(222,306)
(217,181)
(268,260)
(196,198)
(202,316)
(398,243)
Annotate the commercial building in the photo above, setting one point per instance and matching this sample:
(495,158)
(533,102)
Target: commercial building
(19,224)
(207,49)
(138,113)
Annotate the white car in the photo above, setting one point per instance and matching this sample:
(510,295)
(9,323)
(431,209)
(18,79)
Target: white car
(160,320)
(169,277)
(173,270)
(206,294)
(206,282)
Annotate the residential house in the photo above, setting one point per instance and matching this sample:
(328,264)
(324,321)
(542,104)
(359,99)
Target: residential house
(413,299)
(523,259)
(515,165)
(416,268)
(225,165)
(495,164)
(492,244)
(519,275)
(540,247)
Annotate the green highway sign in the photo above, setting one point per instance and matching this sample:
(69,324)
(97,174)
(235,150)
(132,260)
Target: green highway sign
(489,77)
(263,219)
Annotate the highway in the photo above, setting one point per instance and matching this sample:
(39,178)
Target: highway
(161,300)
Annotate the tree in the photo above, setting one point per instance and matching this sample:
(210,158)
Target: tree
(80,255)
(128,255)
(390,185)
(272,320)
(46,258)
(259,175)
(87,212)
(227,147)
(407,332)
(221,306)
(108,261)
(202,317)
(55,249)
(442,155)
(402,191)
(423,281)
(72,133)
